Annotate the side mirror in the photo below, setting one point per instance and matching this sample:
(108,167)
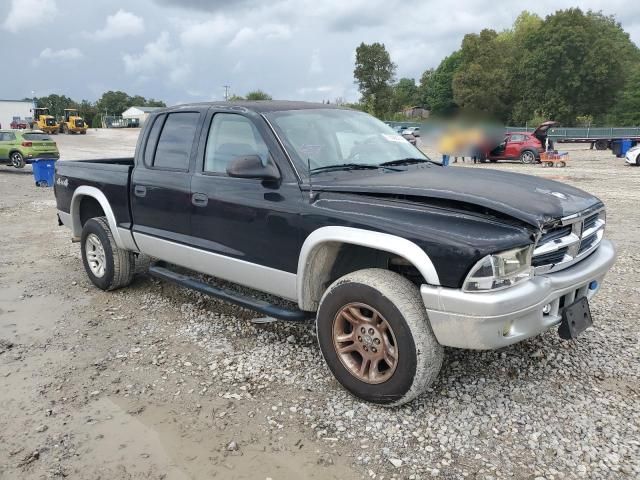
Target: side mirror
(250,166)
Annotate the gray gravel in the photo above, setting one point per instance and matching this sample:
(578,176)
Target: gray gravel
(544,408)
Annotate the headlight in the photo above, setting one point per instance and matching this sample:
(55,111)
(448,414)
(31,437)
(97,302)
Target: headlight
(500,270)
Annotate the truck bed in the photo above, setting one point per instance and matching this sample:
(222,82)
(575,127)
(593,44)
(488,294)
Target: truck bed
(111,176)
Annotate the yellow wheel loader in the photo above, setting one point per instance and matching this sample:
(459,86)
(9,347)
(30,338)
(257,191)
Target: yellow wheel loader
(72,122)
(44,121)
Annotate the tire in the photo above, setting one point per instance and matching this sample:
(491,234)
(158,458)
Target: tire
(99,248)
(401,327)
(142,263)
(602,144)
(83,132)
(561,164)
(527,157)
(17,160)
(638,160)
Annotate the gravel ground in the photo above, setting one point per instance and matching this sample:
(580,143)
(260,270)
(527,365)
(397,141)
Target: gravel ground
(156,381)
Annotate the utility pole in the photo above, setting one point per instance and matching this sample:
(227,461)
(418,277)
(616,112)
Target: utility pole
(226,92)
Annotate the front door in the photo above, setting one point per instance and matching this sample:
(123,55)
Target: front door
(161,182)
(514,145)
(252,223)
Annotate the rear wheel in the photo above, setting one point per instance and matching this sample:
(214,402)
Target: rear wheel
(376,338)
(527,157)
(17,160)
(107,266)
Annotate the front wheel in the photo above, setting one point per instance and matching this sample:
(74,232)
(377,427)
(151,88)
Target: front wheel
(107,266)
(527,157)
(17,160)
(376,338)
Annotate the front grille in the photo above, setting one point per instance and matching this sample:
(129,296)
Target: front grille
(574,238)
(549,258)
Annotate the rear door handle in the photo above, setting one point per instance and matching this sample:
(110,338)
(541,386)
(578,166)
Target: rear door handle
(140,190)
(199,199)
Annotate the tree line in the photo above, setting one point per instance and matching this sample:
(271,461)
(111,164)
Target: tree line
(110,103)
(573,67)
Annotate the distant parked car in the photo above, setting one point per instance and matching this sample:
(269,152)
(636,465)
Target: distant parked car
(415,131)
(409,138)
(17,148)
(632,157)
(19,124)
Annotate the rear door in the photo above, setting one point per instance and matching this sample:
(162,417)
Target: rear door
(161,181)
(4,145)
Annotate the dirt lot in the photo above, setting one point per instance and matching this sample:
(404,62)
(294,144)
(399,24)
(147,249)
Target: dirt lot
(159,382)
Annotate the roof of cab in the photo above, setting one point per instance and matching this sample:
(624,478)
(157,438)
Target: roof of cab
(260,106)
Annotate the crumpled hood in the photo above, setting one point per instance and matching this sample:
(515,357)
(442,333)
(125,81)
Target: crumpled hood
(534,200)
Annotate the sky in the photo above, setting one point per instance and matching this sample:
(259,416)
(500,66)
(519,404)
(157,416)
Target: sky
(186,50)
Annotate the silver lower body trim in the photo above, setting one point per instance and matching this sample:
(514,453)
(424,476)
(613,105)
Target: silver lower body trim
(484,321)
(258,277)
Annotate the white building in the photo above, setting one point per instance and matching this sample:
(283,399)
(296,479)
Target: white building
(10,109)
(141,113)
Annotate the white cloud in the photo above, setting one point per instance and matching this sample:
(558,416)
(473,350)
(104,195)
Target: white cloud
(157,56)
(121,24)
(29,13)
(63,54)
(271,31)
(207,34)
(315,66)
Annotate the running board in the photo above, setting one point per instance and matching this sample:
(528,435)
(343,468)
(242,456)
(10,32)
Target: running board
(160,271)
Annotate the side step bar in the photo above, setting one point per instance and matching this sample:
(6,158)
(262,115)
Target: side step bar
(160,271)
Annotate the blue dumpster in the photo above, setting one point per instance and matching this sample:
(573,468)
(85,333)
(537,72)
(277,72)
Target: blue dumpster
(625,146)
(44,172)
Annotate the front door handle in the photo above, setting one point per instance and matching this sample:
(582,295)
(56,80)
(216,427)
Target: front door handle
(199,199)
(140,190)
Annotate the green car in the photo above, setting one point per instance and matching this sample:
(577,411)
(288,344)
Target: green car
(19,147)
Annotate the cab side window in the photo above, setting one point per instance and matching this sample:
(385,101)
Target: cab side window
(517,138)
(176,141)
(230,136)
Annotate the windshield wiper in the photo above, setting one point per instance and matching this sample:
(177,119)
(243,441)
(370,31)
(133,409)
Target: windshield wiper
(345,166)
(407,161)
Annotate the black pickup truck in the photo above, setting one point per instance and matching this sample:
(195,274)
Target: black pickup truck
(394,255)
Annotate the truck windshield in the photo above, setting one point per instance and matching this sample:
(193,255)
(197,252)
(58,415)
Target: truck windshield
(320,138)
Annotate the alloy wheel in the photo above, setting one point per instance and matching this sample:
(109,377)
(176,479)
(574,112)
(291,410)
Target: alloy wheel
(95,255)
(365,343)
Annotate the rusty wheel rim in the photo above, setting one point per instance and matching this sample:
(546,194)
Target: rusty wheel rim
(365,343)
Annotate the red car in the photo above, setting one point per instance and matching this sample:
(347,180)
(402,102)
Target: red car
(18,124)
(523,146)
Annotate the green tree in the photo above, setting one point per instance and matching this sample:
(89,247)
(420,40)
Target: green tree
(405,94)
(258,95)
(114,103)
(374,73)
(436,90)
(567,67)
(481,84)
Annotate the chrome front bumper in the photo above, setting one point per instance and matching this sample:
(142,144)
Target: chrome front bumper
(490,320)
